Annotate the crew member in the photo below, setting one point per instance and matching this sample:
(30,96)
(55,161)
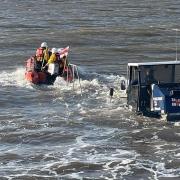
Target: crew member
(42,55)
(63,64)
(52,58)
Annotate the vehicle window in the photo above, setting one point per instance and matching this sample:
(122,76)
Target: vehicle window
(177,73)
(134,78)
(158,73)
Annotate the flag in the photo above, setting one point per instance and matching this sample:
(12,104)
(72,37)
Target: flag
(63,51)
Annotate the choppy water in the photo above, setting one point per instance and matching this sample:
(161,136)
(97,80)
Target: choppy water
(54,133)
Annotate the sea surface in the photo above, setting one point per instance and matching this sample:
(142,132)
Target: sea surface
(56,132)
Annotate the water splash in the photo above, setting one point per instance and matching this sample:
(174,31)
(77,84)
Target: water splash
(15,78)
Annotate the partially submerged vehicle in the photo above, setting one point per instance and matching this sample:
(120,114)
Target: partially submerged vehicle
(154,89)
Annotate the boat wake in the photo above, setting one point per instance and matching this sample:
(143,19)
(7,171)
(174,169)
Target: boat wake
(93,84)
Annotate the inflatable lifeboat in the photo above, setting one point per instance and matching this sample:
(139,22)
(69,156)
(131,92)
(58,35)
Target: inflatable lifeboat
(37,75)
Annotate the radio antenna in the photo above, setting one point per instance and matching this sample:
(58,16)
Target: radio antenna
(176,44)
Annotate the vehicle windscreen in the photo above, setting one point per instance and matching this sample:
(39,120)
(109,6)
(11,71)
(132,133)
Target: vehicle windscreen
(160,74)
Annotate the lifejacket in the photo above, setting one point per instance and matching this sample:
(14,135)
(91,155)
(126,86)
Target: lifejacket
(39,54)
(52,58)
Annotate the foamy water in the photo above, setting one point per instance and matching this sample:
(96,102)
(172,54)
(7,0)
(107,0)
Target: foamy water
(80,134)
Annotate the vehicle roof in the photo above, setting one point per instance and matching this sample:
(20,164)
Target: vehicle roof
(153,63)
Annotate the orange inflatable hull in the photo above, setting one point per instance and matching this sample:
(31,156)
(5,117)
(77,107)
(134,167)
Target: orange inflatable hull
(40,77)
(35,77)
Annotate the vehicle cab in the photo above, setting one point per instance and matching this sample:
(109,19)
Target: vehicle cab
(154,88)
